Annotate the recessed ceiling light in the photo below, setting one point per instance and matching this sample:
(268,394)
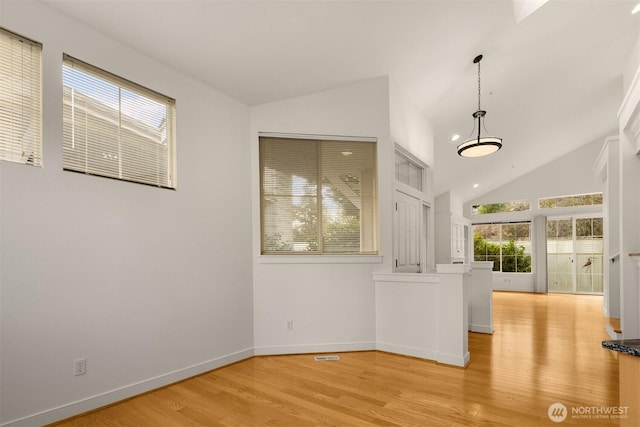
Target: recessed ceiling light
(347,153)
(455,137)
(635,9)
(476,185)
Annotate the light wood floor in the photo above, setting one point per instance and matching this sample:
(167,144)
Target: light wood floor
(545,349)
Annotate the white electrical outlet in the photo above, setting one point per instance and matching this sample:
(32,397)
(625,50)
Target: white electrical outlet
(289,325)
(80,366)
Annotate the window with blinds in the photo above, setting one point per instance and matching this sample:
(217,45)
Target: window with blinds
(20,99)
(318,196)
(116,128)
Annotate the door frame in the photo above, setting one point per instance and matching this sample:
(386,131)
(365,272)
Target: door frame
(574,265)
(398,240)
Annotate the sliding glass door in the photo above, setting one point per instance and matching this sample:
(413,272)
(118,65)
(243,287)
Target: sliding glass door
(589,245)
(574,255)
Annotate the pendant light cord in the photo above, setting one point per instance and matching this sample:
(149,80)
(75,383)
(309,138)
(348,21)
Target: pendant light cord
(479,86)
(479,109)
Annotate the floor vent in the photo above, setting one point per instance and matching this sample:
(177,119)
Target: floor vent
(326,358)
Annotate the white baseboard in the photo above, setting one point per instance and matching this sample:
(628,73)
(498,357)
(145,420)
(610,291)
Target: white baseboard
(407,351)
(613,334)
(503,288)
(112,396)
(314,348)
(452,359)
(483,329)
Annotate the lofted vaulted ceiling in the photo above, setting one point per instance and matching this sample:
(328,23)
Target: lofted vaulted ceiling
(551,82)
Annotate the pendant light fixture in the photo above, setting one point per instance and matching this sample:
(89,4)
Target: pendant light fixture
(478,145)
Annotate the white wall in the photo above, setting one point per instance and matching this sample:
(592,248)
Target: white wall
(331,300)
(570,174)
(521,282)
(407,316)
(331,303)
(414,133)
(449,203)
(424,315)
(409,127)
(150,285)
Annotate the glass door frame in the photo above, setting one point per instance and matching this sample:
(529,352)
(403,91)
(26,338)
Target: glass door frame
(574,264)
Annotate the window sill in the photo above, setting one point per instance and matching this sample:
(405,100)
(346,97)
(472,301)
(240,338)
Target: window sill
(320,259)
(519,273)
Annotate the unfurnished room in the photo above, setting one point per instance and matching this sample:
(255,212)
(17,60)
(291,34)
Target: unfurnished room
(319,213)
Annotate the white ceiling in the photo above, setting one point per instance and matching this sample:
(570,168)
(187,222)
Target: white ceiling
(550,83)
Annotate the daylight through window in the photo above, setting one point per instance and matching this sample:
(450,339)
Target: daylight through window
(318,196)
(20,99)
(115,128)
(512,206)
(570,201)
(508,245)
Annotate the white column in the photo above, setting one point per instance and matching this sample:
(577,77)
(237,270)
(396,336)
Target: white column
(629,205)
(453,334)
(481,297)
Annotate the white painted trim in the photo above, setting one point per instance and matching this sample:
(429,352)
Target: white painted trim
(629,105)
(482,329)
(317,137)
(527,289)
(314,348)
(406,278)
(600,165)
(482,265)
(87,404)
(320,259)
(407,351)
(409,155)
(450,359)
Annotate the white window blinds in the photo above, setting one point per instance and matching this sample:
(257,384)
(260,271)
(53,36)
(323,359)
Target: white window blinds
(115,128)
(318,196)
(20,99)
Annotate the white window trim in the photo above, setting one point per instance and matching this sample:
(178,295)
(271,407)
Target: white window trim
(316,137)
(533,243)
(320,259)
